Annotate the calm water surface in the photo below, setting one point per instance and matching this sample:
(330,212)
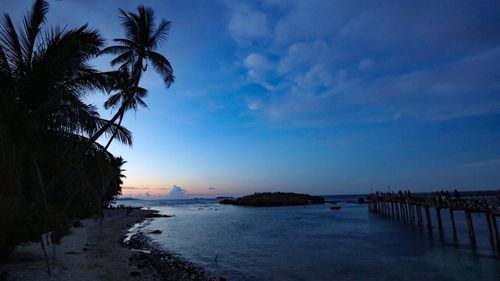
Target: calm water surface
(316,243)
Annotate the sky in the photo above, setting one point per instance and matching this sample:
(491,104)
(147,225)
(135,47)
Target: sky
(320,97)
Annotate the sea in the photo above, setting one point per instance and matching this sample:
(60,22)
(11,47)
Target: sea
(316,243)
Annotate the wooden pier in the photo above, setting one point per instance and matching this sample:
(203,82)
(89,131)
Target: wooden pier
(410,208)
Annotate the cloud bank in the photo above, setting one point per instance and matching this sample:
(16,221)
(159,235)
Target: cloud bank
(176,192)
(324,62)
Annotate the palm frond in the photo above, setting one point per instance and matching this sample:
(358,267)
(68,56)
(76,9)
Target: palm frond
(4,63)
(162,66)
(87,80)
(113,100)
(124,58)
(124,136)
(32,23)
(130,25)
(70,115)
(127,43)
(114,50)
(160,35)
(79,44)
(146,20)
(140,92)
(90,41)
(141,102)
(9,41)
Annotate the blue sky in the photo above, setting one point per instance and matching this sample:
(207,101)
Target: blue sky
(323,97)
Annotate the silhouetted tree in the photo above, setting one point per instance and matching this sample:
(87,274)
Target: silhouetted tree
(134,52)
(48,171)
(127,96)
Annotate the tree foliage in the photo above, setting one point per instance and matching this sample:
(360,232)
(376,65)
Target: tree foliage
(52,170)
(275,199)
(133,53)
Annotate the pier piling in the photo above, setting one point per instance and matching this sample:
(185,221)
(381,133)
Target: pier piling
(452,217)
(407,208)
(428,218)
(470,227)
(419,213)
(440,223)
(495,229)
(490,228)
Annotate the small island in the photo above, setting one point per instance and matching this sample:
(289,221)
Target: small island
(126,198)
(275,199)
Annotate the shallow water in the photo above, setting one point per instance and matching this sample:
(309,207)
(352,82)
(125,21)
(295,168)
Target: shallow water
(316,243)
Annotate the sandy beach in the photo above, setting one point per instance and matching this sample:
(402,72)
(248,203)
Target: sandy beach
(96,252)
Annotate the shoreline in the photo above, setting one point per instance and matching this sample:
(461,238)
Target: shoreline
(98,252)
(168,266)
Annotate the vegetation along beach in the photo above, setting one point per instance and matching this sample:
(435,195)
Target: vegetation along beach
(249,140)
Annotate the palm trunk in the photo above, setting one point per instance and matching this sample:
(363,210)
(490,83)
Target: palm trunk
(121,114)
(114,133)
(137,76)
(101,131)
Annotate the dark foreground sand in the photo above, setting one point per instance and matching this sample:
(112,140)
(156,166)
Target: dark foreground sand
(96,252)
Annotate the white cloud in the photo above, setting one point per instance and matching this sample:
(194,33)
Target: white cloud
(365,64)
(304,54)
(305,20)
(317,76)
(177,192)
(259,69)
(247,22)
(256,61)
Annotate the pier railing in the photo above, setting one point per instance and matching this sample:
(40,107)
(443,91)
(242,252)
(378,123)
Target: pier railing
(417,209)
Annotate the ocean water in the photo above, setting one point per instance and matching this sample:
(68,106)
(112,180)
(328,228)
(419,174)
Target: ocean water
(316,243)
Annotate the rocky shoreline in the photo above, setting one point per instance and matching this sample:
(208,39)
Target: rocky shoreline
(97,251)
(168,266)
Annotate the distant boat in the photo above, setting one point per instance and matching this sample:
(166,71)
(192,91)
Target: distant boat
(335,207)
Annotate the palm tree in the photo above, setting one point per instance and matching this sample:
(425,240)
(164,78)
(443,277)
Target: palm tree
(45,126)
(44,78)
(142,38)
(127,95)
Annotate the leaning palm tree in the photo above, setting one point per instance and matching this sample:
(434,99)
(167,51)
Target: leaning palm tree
(127,95)
(135,51)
